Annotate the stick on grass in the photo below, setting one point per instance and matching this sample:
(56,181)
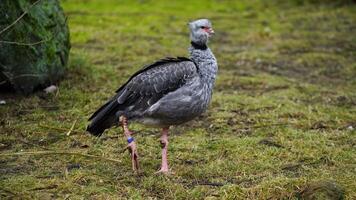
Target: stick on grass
(60,129)
(58,153)
(18,19)
(71,128)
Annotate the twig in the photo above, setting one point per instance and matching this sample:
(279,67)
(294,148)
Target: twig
(59,153)
(209,183)
(44,188)
(22,75)
(48,107)
(27,75)
(71,128)
(18,195)
(197,182)
(18,19)
(59,129)
(8,191)
(22,43)
(25,44)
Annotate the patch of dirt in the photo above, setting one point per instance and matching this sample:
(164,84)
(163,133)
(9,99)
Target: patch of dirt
(291,166)
(324,125)
(319,71)
(192,162)
(73,166)
(11,167)
(316,162)
(327,99)
(346,101)
(51,138)
(49,187)
(326,190)
(324,23)
(6,144)
(257,88)
(270,142)
(221,181)
(292,169)
(295,115)
(320,125)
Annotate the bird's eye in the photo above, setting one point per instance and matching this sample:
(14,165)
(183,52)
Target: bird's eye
(202,27)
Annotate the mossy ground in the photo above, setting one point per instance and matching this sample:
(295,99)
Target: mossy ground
(279,126)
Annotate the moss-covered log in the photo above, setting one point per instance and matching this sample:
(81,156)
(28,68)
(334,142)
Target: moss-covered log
(34,43)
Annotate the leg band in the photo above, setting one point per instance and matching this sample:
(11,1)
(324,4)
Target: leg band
(130,139)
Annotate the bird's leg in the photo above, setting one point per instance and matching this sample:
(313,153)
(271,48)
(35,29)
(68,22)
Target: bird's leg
(164,142)
(131,143)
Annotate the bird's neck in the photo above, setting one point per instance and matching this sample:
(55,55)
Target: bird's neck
(206,62)
(198,45)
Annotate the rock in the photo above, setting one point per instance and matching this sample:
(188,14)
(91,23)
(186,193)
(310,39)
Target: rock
(2,102)
(34,50)
(50,89)
(73,166)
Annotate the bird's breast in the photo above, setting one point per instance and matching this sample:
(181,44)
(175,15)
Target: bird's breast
(179,106)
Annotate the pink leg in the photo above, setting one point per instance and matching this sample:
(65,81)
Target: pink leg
(164,142)
(132,145)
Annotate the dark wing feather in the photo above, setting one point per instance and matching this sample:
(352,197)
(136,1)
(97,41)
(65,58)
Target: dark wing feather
(151,83)
(155,64)
(143,89)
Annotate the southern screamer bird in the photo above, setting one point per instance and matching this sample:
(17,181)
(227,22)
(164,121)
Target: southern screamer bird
(168,92)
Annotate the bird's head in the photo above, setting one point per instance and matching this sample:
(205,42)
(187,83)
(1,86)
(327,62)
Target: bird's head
(200,31)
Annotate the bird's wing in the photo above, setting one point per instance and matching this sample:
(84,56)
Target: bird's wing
(153,81)
(143,89)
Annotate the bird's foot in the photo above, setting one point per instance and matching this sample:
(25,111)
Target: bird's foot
(134,156)
(164,171)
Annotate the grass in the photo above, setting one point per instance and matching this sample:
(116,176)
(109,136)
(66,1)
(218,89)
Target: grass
(281,124)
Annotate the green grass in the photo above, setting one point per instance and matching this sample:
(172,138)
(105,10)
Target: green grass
(277,128)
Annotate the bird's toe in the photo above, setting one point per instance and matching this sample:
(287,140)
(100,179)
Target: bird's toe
(164,172)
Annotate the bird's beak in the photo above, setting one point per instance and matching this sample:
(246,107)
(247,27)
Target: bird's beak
(210,31)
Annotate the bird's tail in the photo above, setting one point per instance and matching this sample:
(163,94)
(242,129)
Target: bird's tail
(104,118)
